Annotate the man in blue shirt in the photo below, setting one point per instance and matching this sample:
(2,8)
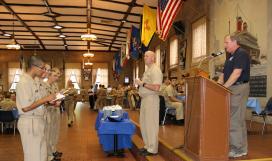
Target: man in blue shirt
(235,76)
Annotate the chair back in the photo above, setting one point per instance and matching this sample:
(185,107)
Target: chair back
(6,116)
(268,107)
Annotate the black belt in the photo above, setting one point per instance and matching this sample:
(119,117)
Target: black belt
(241,82)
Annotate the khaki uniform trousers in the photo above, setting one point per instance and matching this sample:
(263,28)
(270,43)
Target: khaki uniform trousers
(55,128)
(179,109)
(100,102)
(32,132)
(52,130)
(70,107)
(238,130)
(149,122)
(119,100)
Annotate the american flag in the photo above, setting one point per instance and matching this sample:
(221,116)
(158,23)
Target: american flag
(166,14)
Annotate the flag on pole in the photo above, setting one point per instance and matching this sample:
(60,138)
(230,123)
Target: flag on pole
(167,11)
(148,25)
(135,43)
(116,66)
(123,56)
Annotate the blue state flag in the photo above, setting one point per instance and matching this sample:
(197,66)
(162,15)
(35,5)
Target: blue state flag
(135,43)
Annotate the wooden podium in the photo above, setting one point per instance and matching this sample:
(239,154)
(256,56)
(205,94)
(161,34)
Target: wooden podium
(206,120)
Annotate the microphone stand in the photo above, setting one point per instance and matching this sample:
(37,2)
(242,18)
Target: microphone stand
(202,60)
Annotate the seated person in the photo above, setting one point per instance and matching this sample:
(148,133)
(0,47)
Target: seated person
(170,94)
(7,103)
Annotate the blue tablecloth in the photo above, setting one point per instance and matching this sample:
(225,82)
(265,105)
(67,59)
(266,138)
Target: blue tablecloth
(100,116)
(254,104)
(106,131)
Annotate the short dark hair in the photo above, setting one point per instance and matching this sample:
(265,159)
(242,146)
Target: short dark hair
(35,61)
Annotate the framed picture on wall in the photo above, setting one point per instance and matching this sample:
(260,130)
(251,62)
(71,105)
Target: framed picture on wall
(182,53)
(163,59)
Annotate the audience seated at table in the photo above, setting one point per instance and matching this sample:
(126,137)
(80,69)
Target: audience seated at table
(7,103)
(171,101)
(120,96)
(133,98)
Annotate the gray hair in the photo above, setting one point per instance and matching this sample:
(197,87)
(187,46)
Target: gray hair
(35,61)
(234,37)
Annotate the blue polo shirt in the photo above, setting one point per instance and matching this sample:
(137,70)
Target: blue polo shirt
(238,60)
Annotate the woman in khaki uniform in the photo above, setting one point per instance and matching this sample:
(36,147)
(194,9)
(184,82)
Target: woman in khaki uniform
(53,117)
(69,102)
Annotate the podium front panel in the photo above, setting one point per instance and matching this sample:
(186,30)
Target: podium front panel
(206,120)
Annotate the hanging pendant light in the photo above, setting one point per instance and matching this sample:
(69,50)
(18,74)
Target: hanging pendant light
(89,36)
(88,54)
(13,44)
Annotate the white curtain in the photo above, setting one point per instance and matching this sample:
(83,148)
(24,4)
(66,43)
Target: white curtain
(199,39)
(158,56)
(173,51)
(102,76)
(94,72)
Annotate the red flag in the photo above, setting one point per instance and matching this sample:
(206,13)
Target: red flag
(167,11)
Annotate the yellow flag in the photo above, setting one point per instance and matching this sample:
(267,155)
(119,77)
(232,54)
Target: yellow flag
(148,24)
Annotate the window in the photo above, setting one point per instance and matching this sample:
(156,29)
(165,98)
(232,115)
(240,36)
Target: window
(74,75)
(198,39)
(102,76)
(158,56)
(173,52)
(14,77)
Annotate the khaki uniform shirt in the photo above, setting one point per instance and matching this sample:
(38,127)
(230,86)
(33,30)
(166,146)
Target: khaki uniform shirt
(28,91)
(152,75)
(169,92)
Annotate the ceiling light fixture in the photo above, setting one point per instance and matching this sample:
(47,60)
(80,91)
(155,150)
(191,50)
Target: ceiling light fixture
(13,44)
(88,36)
(88,63)
(88,54)
(57,27)
(7,35)
(62,36)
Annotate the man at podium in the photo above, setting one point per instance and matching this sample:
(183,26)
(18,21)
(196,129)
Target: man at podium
(235,77)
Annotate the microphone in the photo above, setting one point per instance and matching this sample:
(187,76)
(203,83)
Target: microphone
(210,57)
(215,54)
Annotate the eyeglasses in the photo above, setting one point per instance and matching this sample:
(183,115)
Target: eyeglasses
(41,68)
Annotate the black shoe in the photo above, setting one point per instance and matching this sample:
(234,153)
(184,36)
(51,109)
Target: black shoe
(180,122)
(146,153)
(57,154)
(142,150)
(69,125)
(56,159)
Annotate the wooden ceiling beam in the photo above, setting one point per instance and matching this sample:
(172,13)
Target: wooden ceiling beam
(69,22)
(79,7)
(79,15)
(21,21)
(122,23)
(98,29)
(46,3)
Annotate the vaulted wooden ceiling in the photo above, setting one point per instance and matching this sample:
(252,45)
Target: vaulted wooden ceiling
(34,22)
